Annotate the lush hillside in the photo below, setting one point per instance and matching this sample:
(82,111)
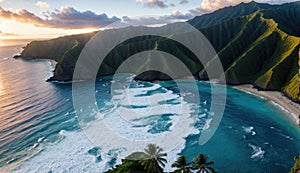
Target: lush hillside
(257,44)
(55,48)
(242,9)
(259,53)
(228,13)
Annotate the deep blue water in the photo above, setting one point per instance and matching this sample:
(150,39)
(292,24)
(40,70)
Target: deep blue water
(39,129)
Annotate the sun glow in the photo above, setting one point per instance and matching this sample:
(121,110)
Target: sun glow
(10,29)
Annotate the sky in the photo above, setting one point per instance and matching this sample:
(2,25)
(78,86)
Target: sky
(52,18)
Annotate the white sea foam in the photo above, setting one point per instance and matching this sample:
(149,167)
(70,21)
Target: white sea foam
(258,152)
(68,155)
(172,156)
(286,136)
(207,124)
(278,105)
(67,82)
(144,90)
(51,69)
(35,145)
(251,93)
(141,116)
(203,115)
(40,139)
(249,130)
(133,128)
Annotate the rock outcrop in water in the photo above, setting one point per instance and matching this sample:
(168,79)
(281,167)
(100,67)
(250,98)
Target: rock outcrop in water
(256,43)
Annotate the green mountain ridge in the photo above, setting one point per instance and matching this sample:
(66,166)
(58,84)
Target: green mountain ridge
(257,44)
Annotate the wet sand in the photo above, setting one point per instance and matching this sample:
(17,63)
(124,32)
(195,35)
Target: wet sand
(277,97)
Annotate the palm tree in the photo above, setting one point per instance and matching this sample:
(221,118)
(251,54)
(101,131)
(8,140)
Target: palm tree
(181,165)
(154,160)
(201,164)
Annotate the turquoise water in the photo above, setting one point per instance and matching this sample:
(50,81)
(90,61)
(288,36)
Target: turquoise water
(39,129)
(252,137)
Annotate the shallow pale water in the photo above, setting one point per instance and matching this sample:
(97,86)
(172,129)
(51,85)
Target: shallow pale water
(39,129)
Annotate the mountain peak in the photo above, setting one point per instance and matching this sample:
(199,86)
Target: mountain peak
(254,4)
(229,12)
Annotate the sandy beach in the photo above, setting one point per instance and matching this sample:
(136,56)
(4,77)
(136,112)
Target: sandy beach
(277,97)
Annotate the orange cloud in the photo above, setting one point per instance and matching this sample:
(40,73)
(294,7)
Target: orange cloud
(212,5)
(66,18)
(42,5)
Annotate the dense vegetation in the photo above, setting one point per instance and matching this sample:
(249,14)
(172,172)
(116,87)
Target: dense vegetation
(153,161)
(256,43)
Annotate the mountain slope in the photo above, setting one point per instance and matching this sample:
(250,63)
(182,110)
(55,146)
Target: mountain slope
(228,13)
(256,43)
(54,48)
(259,53)
(239,10)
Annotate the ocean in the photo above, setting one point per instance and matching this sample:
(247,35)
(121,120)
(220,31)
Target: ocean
(40,129)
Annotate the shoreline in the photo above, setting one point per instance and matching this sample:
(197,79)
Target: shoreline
(52,64)
(276,97)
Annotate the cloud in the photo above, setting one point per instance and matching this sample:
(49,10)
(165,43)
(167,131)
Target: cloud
(7,34)
(175,16)
(212,5)
(147,21)
(70,18)
(178,15)
(22,15)
(198,11)
(43,5)
(182,2)
(153,3)
(66,18)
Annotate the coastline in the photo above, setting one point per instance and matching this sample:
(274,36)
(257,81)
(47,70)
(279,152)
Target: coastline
(277,97)
(52,64)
